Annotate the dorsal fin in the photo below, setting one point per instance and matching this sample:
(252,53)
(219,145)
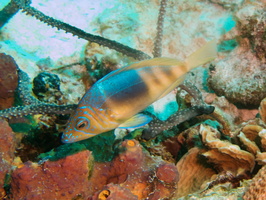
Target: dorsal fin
(163,61)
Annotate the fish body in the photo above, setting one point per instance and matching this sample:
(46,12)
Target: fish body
(115,100)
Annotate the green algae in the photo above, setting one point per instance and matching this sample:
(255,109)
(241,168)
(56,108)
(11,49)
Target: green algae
(101,146)
(227,45)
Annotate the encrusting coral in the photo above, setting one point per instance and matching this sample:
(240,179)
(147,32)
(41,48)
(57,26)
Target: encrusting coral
(133,174)
(256,189)
(52,180)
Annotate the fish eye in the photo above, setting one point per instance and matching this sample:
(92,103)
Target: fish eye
(81,123)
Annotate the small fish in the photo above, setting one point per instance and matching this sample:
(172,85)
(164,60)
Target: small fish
(116,99)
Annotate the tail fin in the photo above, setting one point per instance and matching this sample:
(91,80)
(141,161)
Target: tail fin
(203,55)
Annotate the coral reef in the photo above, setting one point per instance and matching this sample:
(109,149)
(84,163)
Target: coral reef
(214,147)
(227,3)
(133,174)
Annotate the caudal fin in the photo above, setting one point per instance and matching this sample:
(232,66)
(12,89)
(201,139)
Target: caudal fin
(203,55)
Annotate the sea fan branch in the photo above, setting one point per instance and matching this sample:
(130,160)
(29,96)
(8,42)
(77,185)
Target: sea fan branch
(139,55)
(157,49)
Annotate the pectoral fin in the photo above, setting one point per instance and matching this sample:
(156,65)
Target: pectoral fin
(136,121)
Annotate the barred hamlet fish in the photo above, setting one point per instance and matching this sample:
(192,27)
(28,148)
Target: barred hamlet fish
(116,99)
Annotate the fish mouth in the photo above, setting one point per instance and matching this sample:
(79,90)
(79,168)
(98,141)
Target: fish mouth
(68,138)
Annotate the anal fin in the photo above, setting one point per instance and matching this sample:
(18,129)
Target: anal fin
(136,121)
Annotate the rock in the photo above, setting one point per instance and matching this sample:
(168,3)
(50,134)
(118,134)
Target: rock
(7,153)
(8,80)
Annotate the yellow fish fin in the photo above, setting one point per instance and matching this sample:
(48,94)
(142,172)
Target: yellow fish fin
(163,61)
(137,120)
(173,86)
(203,55)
